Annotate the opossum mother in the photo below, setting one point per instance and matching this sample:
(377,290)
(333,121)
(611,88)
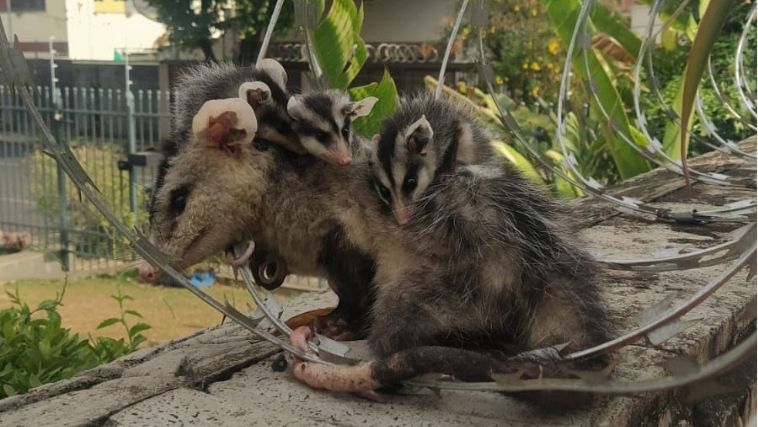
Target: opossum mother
(485,267)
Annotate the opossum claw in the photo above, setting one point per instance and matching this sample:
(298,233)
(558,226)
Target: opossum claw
(244,258)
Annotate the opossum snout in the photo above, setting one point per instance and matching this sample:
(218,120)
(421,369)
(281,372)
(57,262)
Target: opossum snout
(147,272)
(345,161)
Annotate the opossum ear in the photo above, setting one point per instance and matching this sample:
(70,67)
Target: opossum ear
(375,139)
(419,134)
(294,106)
(275,70)
(255,93)
(361,108)
(227,124)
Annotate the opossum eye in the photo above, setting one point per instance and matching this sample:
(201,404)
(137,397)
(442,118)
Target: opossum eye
(346,131)
(178,200)
(409,184)
(322,136)
(384,193)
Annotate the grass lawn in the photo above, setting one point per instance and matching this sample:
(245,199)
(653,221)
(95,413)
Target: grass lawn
(172,312)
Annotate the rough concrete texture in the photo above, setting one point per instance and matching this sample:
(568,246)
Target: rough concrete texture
(223,376)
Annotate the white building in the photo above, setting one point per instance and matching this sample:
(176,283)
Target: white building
(82,29)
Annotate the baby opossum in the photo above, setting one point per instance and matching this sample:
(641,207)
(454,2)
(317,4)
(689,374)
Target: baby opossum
(264,88)
(426,137)
(484,269)
(322,122)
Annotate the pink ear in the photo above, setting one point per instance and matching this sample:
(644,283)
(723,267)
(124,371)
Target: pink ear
(227,124)
(223,134)
(255,93)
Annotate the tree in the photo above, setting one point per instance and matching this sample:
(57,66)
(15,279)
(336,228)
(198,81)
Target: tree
(193,24)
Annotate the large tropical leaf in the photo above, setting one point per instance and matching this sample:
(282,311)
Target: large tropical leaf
(712,21)
(337,44)
(614,25)
(388,102)
(518,161)
(564,14)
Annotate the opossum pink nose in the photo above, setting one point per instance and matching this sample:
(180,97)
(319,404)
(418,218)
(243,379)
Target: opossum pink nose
(147,272)
(345,161)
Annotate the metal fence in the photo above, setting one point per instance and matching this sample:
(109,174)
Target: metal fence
(102,127)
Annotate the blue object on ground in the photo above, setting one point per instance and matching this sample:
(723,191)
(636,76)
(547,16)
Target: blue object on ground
(199,279)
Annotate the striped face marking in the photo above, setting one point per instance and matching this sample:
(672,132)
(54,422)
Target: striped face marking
(402,167)
(323,124)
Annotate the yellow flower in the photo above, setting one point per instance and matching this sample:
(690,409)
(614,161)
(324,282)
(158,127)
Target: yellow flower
(536,66)
(525,65)
(534,12)
(516,8)
(461,87)
(553,46)
(499,80)
(535,90)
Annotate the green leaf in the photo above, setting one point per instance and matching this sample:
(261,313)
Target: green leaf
(386,93)
(34,381)
(614,25)
(47,304)
(136,329)
(9,391)
(133,313)
(564,14)
(337,44)
(563,187)
(708,30)
(136,341)
(518,161)
(108,322)
(672,137)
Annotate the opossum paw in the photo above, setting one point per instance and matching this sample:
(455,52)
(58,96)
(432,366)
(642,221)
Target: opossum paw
(301,336)
(334,327)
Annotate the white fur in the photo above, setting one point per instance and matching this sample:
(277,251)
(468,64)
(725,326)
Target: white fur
(363,107)
(274,69)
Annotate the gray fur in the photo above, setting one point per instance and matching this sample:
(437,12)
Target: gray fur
(222,80)
(485,263)
(426,137)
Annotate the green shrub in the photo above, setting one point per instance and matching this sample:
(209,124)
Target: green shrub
(36,349)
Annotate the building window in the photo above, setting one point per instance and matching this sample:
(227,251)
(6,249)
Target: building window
(23,5)
(110,6)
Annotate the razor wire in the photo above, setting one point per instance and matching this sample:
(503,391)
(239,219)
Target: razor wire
(739,67)
(18,76)
(724,100)
(626,205)
(448,49)
(653,149)
(741,210)
(646,49)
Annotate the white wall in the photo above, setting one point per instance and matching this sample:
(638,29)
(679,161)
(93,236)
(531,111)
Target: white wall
(95,35)
(407,20)
(39,26)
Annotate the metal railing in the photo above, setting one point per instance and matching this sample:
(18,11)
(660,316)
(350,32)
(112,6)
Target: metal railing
(98,125)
